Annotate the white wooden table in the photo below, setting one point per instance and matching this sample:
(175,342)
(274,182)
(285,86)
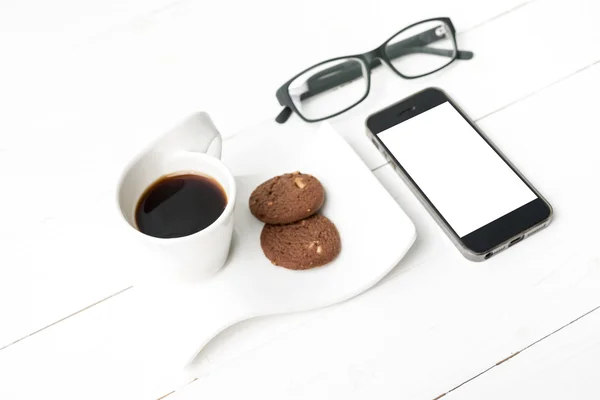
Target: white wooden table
(84,85)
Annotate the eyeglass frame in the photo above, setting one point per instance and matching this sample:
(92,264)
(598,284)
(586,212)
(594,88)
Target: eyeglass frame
(369,60)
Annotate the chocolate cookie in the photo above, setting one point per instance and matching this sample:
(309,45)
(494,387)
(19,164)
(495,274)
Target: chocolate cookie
(305,244)
(287,198)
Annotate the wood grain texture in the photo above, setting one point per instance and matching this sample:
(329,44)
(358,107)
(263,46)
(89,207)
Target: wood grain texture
(97,104)
(560,367)
(434,323)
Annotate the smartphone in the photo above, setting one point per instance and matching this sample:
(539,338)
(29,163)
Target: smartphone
(482,202)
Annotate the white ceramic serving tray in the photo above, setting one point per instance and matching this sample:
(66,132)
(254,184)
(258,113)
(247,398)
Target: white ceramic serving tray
(374,230)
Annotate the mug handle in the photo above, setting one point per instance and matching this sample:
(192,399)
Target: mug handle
(197,133)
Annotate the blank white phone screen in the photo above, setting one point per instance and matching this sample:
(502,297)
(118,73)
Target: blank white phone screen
(464,178)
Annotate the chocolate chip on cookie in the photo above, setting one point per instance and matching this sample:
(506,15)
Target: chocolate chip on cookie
(305,244)
(287,198)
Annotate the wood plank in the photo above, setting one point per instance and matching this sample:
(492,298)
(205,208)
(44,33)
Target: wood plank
(97,105)
(66,22)
(78,359)
(435,322)
(167,63)
(563,366)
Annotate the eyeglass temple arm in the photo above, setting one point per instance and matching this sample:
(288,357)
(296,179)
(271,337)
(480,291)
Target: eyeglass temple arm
(284,115)
(348,71)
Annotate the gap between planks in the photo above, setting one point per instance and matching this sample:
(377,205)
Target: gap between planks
(518,352)
(67,317)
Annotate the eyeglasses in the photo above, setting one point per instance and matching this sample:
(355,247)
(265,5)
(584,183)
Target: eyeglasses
(334,86)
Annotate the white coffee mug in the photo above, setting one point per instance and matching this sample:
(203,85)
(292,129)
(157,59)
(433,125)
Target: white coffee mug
(193,146)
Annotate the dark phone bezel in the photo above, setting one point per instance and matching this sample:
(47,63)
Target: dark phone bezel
(496,233)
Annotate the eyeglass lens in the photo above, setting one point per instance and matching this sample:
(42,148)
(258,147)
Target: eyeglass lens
(334,86)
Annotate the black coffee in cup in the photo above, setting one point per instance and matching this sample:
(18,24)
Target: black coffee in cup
(179,205)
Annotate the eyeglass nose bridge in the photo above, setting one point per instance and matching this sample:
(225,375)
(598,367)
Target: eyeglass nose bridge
(374,58)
